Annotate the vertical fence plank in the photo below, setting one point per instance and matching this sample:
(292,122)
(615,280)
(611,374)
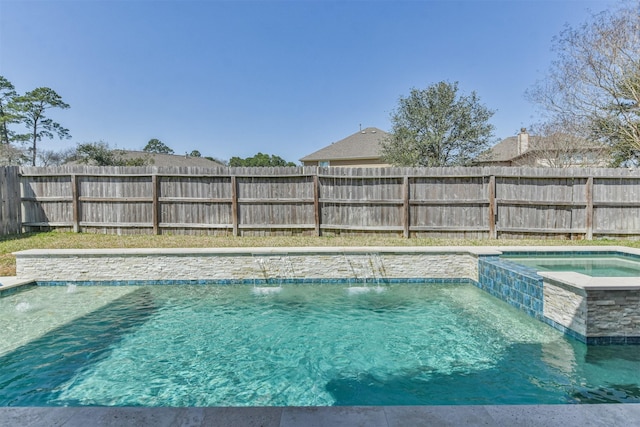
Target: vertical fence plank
(316,204)
(493,208)
(589,212)
(155,208)
(234,204)
(75,203)
(405,207)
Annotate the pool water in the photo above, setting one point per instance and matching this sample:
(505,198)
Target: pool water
(298,345)
(591,265)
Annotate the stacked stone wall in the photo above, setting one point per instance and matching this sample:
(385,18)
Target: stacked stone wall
(132,266)
(613,313)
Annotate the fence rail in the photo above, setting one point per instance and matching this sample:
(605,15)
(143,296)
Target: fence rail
(489,202)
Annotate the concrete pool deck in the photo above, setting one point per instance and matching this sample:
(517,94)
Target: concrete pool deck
(366,416)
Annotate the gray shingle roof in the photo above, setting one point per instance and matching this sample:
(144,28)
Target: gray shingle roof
(157,159)
(365,144)
(164,160)
(505,150)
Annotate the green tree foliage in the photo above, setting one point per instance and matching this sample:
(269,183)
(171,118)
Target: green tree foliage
(31,109)
(95,153)
(260,160)
(594,84)
(156,146)
(438,127)
(214,159)
(7,116)
(195,153)
(100,154)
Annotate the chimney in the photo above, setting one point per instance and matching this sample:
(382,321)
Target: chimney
(523,141)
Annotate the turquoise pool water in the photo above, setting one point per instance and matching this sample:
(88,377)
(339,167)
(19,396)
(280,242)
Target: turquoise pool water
(608,265)
(298,345)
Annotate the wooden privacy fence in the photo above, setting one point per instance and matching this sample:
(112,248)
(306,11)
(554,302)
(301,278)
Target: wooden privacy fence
(487,202)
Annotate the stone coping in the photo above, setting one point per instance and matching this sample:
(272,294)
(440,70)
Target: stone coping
(579,281)
(621,249)
(472,250)
(9,282)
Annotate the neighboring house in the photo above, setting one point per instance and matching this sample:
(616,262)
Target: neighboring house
(362,149)
(557,150)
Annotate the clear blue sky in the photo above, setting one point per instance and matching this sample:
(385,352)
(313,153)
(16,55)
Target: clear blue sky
(232,78)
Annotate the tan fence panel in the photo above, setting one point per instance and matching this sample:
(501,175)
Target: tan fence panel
(10,211)
(616,204)
(195,203)
(449,202)
(541,202)
(357,200)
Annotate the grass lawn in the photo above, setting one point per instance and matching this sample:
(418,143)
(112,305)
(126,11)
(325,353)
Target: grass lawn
(58,240)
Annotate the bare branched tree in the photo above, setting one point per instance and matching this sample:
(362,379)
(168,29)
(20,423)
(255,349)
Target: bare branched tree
(594,84)
(55,158)
(11,155)
(553,147)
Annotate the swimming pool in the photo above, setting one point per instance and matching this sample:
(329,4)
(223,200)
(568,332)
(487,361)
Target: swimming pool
(594,265)
(294,345)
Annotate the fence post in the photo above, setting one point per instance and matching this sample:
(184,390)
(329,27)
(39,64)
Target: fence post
(234,204)
(589,207)
(155,203)
(406,210)
(316,203)
(75,203)
(493,234)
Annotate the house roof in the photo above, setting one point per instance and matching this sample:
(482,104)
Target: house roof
(365,144)
(504,150)
(507,149)
(162,160)
(157,159)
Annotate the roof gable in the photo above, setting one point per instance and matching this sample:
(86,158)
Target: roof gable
(365,144)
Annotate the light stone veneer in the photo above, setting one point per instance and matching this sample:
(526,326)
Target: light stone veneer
(593,306)
(249,263)
(565,306)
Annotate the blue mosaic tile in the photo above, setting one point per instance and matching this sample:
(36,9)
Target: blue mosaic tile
(613,340)
(17,289)
(339,281)
(515,284)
